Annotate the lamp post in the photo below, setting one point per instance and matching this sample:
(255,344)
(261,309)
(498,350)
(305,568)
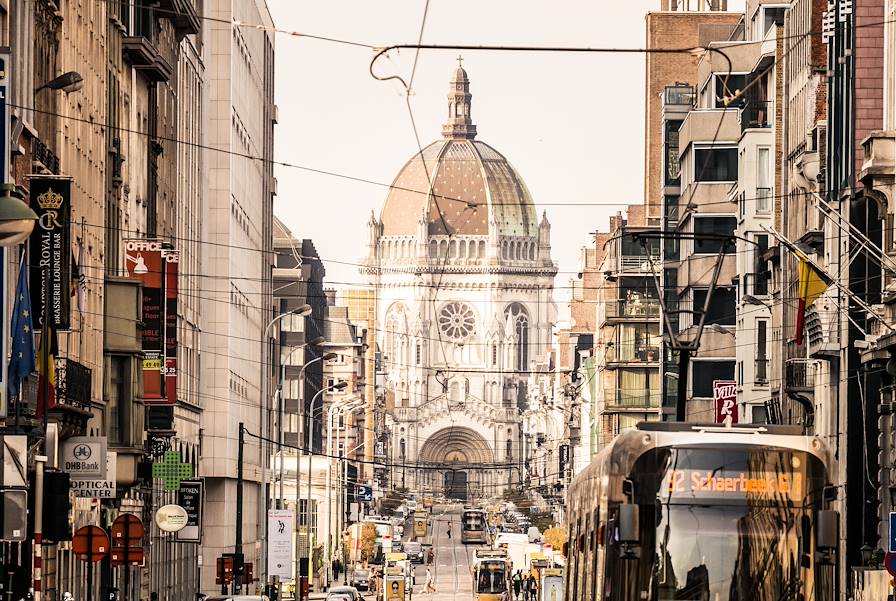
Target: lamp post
(264,411)
(68,82)
(282,378)
(309,451)
(347,405)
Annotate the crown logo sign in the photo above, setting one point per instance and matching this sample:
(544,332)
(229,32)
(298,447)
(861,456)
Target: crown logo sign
(50,200)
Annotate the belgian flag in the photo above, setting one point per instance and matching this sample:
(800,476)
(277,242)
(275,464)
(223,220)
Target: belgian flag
(46,369)
(812,284)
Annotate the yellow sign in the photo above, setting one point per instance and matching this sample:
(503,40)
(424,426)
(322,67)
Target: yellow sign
(396,556)
(703,482)
(394,589)
(152,364)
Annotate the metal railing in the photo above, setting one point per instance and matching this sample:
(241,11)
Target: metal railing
(634,353)
(634,399)
(639,263)
(73,384)
(642,307)
(799,375)
(756,114)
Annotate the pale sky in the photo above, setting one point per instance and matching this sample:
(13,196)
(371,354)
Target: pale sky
(571,124)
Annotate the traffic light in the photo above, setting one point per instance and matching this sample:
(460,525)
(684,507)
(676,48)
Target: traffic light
(57,507)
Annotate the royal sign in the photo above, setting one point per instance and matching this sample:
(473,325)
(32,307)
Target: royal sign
(50,253)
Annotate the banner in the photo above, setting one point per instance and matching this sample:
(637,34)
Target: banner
(281,524)
(724,394)
(172,261)
(50,252)
(144,262)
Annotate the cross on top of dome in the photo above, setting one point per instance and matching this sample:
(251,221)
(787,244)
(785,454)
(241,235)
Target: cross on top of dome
(459,125)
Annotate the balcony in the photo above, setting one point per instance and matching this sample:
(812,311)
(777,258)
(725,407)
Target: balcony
(635,399)
(635,308)
(756,114)
(140,45)
(639,263)
(799,375)
(633,353)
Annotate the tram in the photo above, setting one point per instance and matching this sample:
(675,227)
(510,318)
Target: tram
(671,511)
(491,574)
(472,527)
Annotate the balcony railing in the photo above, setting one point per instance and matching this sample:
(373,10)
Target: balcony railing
(73,384)
(633,353)
(761,376)
(680,95)
(642,307)
(635,399)
(639,263)
(799,375)
(756,114)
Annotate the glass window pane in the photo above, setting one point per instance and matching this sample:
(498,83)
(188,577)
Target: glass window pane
(705,372)
(715,165)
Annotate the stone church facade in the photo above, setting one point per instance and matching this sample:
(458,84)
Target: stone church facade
(464,276)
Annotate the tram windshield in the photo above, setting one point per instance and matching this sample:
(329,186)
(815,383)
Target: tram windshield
(491,577)
(473,521)
(726,525)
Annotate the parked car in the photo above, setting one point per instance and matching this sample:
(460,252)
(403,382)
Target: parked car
(339,597)
(349,592)
(361,579)
(414,551)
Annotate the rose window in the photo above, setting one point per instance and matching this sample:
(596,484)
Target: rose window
(456,320)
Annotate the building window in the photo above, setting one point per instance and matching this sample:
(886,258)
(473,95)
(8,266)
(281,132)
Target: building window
(722,309)
(494,354)
(402,449)
(726,88)
(714,226)
(715,165)
(509,449)
(638,388)
(457,320)
(704,373)
(519,317)
(761,352)
(118,402)
(418,354)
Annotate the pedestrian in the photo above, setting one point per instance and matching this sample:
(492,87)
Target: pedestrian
(524,586)
(430,586)
(429,557)
(517,582)
(533,588)
(449,530)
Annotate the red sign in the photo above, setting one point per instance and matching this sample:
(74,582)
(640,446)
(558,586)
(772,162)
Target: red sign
(90,543)
(724,394)
(172,259)
(143,261)
(127,530)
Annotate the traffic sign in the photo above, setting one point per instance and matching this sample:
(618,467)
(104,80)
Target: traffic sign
(364,493)
(890,563)
(90,543)
(132,556)
(892,547)
(127,530)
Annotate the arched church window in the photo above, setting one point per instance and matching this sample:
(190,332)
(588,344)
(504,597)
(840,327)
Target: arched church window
(452,249)
(467,387)
(482,249)
(494,354)
(402,449)
(462,249)
(531,251)
(518,317)
(418,354)
(509,449)
(454,392)
(443,248)
(433,249)
(457,320)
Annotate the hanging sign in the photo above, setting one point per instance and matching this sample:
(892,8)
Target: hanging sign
(172,259)
(144,262)
(281,523)
(171,518)
(84,457)
(50,253)
(190,498)
(98,488)
(724,394)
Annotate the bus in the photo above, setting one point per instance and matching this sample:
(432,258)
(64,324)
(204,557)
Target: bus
(472,527)
(671,511)
(491,574)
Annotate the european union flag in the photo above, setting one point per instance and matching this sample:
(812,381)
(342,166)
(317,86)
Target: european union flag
(21,363)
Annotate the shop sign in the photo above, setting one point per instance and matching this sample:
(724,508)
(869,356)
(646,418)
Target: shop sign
(50,252)
(724,394)
(144,262)
(190,498)
(98,488)
(84,457)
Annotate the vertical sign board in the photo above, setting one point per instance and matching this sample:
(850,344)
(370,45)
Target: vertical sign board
(50,251)
(280,534)
(6,176)
(892,547)
(144,262)
(724,393)
(190,498)
(172,260)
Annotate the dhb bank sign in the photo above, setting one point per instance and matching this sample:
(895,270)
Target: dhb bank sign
(84,457)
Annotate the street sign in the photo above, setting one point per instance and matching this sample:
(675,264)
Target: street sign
(84,457)
(890,563)
(364,493)
(132,556)
(280,535)
(90,544)
(171,518)
(127,530)
(98,488)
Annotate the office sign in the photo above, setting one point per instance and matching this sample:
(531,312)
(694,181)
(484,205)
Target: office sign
(724,394)
(144,262)
(281,523)
(84,457)
(190,498)
(50,252)
(172,261)
(98,488)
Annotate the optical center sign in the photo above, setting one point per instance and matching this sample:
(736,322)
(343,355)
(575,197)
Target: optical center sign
(50,253)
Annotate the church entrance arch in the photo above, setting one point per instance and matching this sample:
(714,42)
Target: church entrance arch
(463,457)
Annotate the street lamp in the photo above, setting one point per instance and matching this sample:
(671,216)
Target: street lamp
(309,451)
(348,405)
(16,218)
(68,82)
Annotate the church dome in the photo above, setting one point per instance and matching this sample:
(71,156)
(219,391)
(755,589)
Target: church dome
(474,187)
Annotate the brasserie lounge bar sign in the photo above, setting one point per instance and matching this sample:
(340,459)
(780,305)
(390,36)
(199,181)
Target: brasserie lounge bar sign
(50,252)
